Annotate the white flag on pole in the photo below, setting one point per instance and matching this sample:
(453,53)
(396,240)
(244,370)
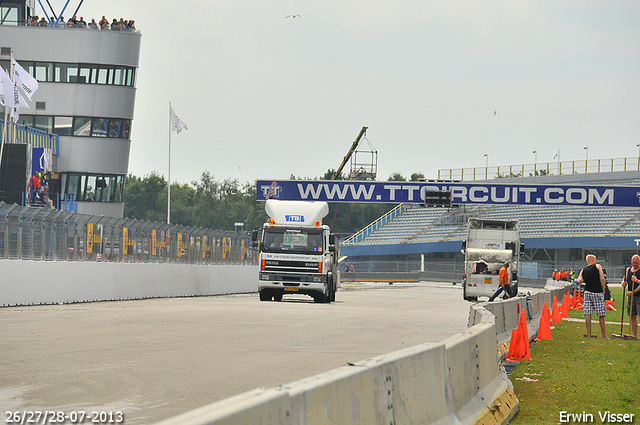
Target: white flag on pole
(25,81)
(7,86)
(176,123)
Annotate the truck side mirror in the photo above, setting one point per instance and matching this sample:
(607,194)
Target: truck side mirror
(254,238)
(522,249)
(464,247)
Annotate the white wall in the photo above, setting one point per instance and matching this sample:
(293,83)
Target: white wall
(40,282)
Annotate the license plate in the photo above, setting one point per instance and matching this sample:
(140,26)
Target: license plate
(488,280)
(289,288)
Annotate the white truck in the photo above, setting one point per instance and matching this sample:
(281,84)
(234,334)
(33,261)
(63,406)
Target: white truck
(297,253)
(489,244)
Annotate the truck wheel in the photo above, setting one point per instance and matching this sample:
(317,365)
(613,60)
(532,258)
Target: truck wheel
(318,298)
(464,293)
(328,291)
(277,297)
(265,295)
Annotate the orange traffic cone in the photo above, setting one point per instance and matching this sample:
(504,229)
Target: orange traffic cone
(544,331)
(512,344)
(555,314)
(574,300)
(521,350)
(610,304)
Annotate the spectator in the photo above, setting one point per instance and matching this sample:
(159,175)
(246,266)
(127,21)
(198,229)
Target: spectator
(104,23)
(593,278)
(114,25)
(34,184)
(81,23)
(43,22)
(93,25)
(71,22)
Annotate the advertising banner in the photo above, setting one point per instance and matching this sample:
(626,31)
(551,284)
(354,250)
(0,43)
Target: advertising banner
(461,193)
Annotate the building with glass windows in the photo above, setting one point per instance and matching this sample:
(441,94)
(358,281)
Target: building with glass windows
(86,96)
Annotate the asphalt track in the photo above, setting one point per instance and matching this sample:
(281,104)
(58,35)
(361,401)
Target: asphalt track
(153,359)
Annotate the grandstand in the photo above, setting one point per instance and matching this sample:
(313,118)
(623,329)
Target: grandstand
(554,236)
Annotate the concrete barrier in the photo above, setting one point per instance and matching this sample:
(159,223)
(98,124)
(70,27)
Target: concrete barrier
(458,381)
(40,282)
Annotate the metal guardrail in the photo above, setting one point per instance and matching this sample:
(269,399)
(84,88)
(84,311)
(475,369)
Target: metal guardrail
(541,169)
(33,233)
(357,237)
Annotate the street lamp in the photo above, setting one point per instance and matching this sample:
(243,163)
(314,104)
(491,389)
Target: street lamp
(486,166)
(586,155)
(638,146)
(535,157)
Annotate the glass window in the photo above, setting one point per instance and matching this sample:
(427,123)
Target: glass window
(117,76)
(103,76)
(82,126)
(26,120)
(115,128)
(119,192)
(126,127)
(73,185)
(72,74)
(9,14)
(60,71)
(99,127)
(43,71)
(62,126)
(129,77)
(43,123)
(89,192)
(84,74)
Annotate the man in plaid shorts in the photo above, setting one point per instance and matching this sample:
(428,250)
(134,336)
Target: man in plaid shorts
(593,278)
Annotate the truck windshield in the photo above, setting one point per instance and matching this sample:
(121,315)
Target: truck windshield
(293,240)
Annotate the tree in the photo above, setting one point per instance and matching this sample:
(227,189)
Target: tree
(146,197)
(396,177)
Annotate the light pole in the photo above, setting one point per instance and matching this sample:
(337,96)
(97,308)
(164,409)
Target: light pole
(586,155)
(638,146)
(535,162)
(486,166)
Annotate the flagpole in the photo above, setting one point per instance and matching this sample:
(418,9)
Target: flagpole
(169,173)
(5,127)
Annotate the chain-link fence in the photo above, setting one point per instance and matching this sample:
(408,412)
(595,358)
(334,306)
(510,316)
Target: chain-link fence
(31,233)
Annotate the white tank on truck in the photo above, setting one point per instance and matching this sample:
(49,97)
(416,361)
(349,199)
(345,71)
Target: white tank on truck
(489,244)
(297,253)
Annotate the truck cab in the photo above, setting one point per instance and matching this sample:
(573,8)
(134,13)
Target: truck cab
(297,253)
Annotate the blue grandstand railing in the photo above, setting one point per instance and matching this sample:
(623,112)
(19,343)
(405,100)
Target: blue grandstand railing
(357,237)
(36,138)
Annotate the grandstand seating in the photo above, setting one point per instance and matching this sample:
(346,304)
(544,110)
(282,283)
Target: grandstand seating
(414,223)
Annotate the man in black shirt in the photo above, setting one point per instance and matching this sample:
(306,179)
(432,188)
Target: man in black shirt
(593,278)
(632,278)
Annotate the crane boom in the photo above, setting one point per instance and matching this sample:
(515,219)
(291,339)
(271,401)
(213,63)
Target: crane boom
(351,151)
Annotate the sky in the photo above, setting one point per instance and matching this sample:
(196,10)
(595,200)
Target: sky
(439,84)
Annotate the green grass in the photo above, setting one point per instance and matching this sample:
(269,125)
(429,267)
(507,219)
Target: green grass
(576,374)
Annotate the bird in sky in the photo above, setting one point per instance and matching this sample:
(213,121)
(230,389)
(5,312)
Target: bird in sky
(292,16)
